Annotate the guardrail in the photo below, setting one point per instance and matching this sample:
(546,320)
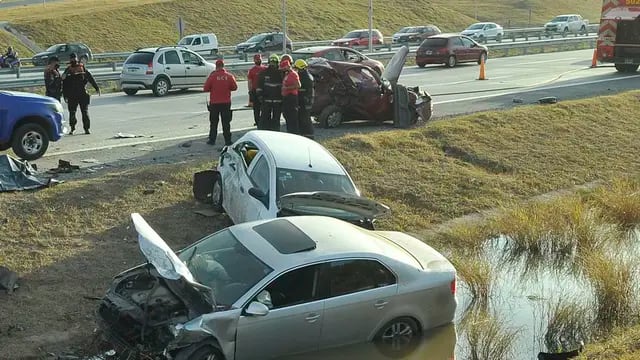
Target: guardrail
(115,75)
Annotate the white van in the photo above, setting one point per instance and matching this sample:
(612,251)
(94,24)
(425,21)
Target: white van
(204,44)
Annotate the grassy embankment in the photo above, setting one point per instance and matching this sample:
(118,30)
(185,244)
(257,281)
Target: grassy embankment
(68,241)
(128,24)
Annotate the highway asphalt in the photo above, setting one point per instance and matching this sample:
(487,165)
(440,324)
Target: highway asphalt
(167,123)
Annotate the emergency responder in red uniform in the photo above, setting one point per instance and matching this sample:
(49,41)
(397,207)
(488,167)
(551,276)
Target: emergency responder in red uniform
(290,88)
(74,90)
(53,79)
(219,85)
(269,92)
(252,78)
(305,99)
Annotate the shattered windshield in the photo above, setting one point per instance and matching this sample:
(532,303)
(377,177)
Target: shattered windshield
(222,263)
(292,181)
(559,19)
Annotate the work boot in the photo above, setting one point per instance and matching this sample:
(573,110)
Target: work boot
(87,132)
(71,131)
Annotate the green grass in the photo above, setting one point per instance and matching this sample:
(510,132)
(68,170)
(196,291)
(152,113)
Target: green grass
(7,39)
(623,344)
(488,338)
(128,24)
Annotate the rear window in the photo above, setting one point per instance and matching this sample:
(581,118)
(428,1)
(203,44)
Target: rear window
(434,42)
(140,58)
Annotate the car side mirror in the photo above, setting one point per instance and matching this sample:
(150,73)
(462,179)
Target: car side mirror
(256,308)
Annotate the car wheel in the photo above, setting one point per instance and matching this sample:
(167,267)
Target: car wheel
(564,32)
(421,65)
(205,352)
(330,117)
(130,92)
(398,337)
(627,68)
(30,141)
(216,195)
(482,39)
(4,147)
(583,30)
(483,57)
(161,86)
(499,38)
(452,61)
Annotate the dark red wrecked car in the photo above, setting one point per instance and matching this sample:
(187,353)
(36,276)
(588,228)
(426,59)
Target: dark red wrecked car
(349,91)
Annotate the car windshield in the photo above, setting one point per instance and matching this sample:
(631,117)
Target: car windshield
(408,30)
(434,42)
(353,35)
(186,41)
(559,19)
(222,263)
(476,27)
(256,38)
(291,181)
(53,48)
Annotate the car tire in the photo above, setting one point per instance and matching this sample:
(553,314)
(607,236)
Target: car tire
(482,39)
(583,30)
(330,117)
(421,65)
(483,55)
(626,68)
(161,86)
(452,61)
(216,195)
(4,147)
(398,338)
(130,92)
(204,352)
(30,141)
(499,38)
(565,32)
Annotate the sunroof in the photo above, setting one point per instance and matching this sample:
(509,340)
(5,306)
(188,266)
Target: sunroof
(285,237)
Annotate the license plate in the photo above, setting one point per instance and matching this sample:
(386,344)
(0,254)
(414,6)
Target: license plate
(133,69)
(429,52)
(628,61)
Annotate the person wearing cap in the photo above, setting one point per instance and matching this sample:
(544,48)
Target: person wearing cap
(219,85)
(269,93)
(305,99)
(290,88)
(74,90)
(53,79)
(252,79)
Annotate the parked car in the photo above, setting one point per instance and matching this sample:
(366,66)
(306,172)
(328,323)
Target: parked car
(414,34)
(28,122)
(484,31)
(62,51)
(206,44)
(338,53)
(271,288)
(359,38)
(162,69)
(564,24)
(450,49)
(264,42)
(267,174)
(347,91)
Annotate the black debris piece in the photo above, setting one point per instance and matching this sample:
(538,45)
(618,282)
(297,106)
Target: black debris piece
(18,175)
(548,100)
(64,167)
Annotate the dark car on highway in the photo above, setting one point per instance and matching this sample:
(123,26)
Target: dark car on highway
(338,53)
(414,34)
(450,49)
(62,51)
(263,42)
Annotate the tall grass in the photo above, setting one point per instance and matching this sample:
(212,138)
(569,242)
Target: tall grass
(475,272)
(488,338)
(620,201)
(568,325)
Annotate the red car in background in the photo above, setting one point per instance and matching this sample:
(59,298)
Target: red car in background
(338,53)
(359,38)
(450,49)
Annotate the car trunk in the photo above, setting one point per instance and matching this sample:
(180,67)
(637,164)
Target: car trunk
(138,65)
(432,46)
(628,39)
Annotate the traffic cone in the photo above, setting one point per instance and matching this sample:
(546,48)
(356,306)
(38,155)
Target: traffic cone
(482,75)
(594,59)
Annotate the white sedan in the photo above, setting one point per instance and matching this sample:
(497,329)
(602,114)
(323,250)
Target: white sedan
(268,174)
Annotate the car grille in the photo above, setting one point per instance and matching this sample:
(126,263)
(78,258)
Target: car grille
(120,328)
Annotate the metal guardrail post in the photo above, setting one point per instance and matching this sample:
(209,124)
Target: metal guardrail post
(18,72)
(526,36)
(113,66)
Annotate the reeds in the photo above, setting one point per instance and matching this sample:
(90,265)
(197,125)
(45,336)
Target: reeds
(488,338)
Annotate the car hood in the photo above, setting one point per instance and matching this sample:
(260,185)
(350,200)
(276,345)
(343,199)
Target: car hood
(397,35)
(551,23)
(25,96)
(394,67)
(245,44)
(471,31)
(345,40)
(315,202)
(41,54)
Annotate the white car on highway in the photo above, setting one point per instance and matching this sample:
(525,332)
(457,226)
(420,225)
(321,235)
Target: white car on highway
(484,31)
(268,174)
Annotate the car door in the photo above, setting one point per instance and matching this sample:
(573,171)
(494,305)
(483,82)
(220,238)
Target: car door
(472,52)
(352,56)
(294,322)
(195,70)
(461,51)
(360,293)
(492,31)
(174,68)
(368,91)
(196,45)
(260,175)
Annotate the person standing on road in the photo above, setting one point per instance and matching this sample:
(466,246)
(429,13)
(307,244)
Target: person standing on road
(305,99)
(252,78)
(290,88)
(53,79)
(74,90)
(219,85)
(269,93)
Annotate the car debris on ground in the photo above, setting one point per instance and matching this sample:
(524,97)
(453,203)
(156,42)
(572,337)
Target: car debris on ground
(19,175)
(63,167)
(126,136)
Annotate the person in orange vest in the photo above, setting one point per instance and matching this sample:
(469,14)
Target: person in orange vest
(252,78)
(290,88)
(219,85)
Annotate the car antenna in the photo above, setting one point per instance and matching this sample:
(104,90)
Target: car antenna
(309,153)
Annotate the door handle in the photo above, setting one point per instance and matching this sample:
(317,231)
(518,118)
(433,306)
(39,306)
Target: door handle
(188,67)
(168,68)
(312,317)
(241,189)
(380,304)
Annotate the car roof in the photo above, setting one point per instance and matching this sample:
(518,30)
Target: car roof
(450,35)
(313,49)
(295,152)
(321,238)
(364,30)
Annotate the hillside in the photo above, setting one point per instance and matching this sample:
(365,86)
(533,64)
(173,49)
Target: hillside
(128,24)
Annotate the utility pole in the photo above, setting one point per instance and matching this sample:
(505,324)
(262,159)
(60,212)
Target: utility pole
(284,26)
(370,26)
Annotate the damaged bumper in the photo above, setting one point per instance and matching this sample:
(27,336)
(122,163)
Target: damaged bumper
(424,103)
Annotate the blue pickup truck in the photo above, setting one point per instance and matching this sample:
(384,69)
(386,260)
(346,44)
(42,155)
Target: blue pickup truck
(28,122)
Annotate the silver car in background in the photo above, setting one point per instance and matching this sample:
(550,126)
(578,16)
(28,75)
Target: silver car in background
(272,288)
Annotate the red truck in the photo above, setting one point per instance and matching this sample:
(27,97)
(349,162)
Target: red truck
(619,34)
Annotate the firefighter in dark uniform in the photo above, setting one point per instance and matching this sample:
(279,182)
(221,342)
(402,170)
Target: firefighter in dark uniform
(269,94)
(305,99)
(74,90)
(53,79)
